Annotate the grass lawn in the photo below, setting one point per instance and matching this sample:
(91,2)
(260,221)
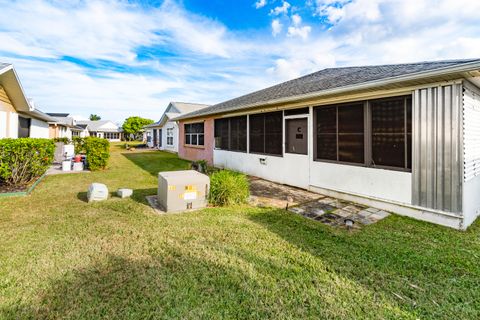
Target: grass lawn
(61,257)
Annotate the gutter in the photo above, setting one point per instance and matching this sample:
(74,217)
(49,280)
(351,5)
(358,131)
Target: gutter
(469,66)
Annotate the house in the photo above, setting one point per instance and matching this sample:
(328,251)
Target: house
(66,127)
(19,118)
(403,138)
(102,129)
(163,134)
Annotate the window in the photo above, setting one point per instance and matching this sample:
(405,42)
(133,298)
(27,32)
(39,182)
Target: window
(23,127)
(392,132)
(170,136)
(194,134)
(111,135)
(231,134)
(266,133)
(340,133)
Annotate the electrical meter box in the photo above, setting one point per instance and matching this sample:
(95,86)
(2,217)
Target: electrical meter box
(182,190)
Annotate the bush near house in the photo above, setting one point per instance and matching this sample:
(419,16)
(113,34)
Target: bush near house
(65,140)
(97,151)
(78,142)
(25,159)
(228,188)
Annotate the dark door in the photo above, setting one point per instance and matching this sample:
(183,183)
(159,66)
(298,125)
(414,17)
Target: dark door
(23,127)
(160,138)
(296,136)
(155,138)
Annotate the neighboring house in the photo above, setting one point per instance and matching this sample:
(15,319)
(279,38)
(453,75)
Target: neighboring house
(102,129)
(18,116)
(163,134)
(66,127)
(403,138)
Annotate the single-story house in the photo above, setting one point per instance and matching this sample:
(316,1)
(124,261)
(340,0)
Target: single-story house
(66,127)
(163,134)
(19,118)
(102,129)
(404,138)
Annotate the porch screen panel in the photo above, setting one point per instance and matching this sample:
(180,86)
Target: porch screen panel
(351,136)
(326,120)
(231,133)
(266,133)
(437,158)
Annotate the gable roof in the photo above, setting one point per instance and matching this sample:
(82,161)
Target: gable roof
(11,83)
(180,109)
(186,107)
(97,125)
(334,79)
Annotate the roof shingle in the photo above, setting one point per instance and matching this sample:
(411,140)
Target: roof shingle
(323,80)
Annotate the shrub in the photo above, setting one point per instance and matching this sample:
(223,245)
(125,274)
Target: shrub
(65,140)
(25,159)
(228,188)
(79,144)
(98,152)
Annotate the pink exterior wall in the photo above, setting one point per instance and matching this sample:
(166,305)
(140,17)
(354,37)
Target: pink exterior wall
(197,152)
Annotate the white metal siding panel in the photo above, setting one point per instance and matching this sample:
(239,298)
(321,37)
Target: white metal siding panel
(471,134)
(437,157)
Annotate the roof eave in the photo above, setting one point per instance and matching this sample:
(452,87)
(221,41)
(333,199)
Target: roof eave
(366,85)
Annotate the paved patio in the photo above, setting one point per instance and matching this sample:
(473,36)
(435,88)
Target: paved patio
(328,210)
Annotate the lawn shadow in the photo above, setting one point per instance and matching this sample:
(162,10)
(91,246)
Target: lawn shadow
(82,196)
(169,286)
(154,162)
(385,258)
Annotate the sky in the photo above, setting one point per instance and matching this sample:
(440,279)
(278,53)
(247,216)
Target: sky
(119,58)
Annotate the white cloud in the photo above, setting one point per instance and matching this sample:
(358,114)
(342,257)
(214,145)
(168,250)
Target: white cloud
(296,30)
(260,4)
(276,27)
(296,19)
(281,9)
(301,32)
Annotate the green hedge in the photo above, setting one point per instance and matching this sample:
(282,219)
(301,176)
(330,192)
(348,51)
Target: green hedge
(97,151)
(228,188)
(79,144)
(25,159)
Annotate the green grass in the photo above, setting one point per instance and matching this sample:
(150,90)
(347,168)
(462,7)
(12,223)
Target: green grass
(61,257)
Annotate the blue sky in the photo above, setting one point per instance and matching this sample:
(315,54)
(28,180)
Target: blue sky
(120,58)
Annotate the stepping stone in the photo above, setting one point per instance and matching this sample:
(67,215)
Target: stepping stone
(97,192)
(364,213)
(124,193)
(380,215)
(342,213)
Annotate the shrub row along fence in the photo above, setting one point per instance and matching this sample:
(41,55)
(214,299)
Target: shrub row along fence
(25,159)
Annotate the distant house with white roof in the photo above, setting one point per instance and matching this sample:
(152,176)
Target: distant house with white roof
(102,129)
(163,134)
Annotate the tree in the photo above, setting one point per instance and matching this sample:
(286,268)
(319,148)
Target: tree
(94,117)
(133,126)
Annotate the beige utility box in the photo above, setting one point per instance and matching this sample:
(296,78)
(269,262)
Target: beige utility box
(182,190)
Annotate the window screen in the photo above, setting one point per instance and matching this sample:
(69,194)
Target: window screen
(266,133)
(391,132)
(231,133)
(194,134)
(340,133)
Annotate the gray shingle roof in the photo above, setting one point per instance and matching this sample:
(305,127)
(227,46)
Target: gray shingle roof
(327,79)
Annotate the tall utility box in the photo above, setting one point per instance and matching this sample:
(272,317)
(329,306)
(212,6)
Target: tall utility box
(182,190)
